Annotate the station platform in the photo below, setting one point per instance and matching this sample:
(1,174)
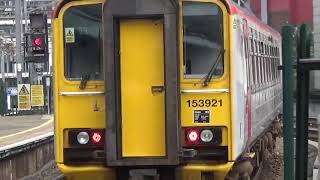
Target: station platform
(15,129)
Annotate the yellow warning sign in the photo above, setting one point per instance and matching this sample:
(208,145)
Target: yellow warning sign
(23,90)
(69,35)
(24,97)
(37,97)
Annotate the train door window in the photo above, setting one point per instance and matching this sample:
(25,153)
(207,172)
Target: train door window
(83,41)
(203,39)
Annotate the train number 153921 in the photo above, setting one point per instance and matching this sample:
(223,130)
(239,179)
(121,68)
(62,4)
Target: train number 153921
(204,103)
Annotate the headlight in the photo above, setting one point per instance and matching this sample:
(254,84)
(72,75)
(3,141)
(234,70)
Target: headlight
(206,136)
(83,138)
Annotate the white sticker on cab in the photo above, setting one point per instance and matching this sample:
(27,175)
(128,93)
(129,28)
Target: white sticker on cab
(69,35)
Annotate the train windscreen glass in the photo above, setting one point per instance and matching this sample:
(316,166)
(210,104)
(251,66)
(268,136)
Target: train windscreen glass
(203,40)
(83,41)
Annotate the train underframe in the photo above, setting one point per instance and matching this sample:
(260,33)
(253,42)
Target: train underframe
(246,167)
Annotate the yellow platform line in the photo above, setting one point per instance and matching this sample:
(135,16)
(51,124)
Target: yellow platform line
(28,130)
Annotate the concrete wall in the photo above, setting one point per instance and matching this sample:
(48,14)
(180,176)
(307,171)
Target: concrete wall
(26,163)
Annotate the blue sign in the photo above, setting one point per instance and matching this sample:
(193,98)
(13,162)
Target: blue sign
(12,91)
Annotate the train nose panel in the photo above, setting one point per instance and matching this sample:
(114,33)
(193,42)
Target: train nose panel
(142,82)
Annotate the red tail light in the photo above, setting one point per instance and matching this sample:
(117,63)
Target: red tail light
(202,136)
(96,137)
(193,136)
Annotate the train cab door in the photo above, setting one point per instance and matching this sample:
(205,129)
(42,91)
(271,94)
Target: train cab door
(141,58)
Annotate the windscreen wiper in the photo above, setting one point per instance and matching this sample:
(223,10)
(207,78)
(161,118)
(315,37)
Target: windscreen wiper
(214,66)
(84,79)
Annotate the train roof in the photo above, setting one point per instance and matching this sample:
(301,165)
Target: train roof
(235,9)
(232,7)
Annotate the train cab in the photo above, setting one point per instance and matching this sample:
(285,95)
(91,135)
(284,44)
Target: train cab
(150,88)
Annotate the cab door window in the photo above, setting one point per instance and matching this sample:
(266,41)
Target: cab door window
(83,42)
(203,39)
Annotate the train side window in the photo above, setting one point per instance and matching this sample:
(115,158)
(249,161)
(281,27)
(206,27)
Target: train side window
(250,62)
(203,39)
(265,50)
(251,45)
(272,69)
(83,41)
(254,70)
(269,70)
(259,71)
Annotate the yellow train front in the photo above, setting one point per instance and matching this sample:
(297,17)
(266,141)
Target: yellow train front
(143,88)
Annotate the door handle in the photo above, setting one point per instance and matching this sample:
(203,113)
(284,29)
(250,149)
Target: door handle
(157,89)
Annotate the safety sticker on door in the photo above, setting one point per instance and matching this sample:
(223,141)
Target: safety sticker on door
(201,116)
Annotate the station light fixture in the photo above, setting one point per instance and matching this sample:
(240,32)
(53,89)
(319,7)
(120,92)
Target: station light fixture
(39,45)
(37,42)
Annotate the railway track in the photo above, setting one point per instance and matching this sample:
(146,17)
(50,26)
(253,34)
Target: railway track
(312,129)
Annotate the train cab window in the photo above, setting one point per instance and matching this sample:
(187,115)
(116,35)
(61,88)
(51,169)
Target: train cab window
(203,40)
(82,42)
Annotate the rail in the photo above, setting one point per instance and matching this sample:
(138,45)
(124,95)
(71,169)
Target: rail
(312,129)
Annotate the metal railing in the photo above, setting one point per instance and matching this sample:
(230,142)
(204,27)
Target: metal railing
(296,44)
